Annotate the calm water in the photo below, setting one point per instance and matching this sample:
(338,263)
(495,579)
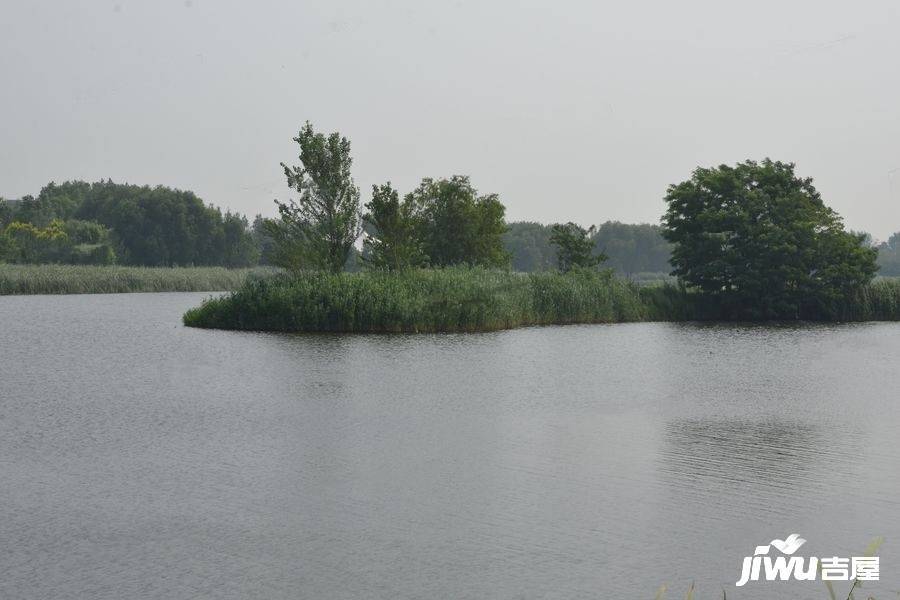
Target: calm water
(142,459)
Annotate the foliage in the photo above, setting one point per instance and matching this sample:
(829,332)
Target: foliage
(265,245)
(529,247)
(421,300)
(889,256)
(28,243)
(318,229)
(79,279)
(53,203)
(631,249)
(391,241)
(759,243)
(6,213)
(575,247)
(239,249)
(456,225)
(148,226)
(476,299)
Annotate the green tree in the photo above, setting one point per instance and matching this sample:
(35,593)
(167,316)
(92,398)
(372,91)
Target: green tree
(758,242)
(30,244)
(262,239)
(633,248)
(6,213)
(456,225)
(391,241)
(318,229)
(889,256)
(575,247)
(529,247)
(239,248)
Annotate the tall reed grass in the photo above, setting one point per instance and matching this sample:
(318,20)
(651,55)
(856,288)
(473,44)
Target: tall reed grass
(91,279)
(453,299)
(464,299)
(878,301)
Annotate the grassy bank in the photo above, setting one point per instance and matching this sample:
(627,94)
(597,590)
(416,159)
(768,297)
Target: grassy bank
(77,279)
(460,299)
(455,299)
(878,301)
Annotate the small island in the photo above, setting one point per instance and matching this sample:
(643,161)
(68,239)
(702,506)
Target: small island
(751,242)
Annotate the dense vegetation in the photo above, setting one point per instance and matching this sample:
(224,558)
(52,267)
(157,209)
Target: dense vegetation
(105,222)
(423,300)
(636,251)
(630,249)
(756,242)
(478,299)
(440,223)
(748,242)
(889,256)
(93,279)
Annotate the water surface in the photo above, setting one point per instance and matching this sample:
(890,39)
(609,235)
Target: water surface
(143,459)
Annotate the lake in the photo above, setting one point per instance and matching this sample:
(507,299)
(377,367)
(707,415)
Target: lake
(143,459)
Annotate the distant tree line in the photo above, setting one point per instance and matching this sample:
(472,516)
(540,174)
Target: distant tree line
(446,221)
(889,256)
(104,222)
(629,249)
(633,249)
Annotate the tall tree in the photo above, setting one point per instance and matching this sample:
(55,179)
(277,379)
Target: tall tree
(319,228)
(391,242)
(759,242)
(456,225)
(575,247)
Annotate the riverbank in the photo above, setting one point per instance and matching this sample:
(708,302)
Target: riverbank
(95,279)
(465,300)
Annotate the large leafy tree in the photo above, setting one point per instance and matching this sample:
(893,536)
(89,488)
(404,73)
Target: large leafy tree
(319,228)
(575,247)
(759,243)
(391,241)
(456,225)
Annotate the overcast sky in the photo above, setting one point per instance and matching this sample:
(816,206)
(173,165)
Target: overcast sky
(569,110)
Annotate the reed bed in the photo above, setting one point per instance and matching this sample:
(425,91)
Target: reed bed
(89,279)
(475,299)
(453,299)
(878,301)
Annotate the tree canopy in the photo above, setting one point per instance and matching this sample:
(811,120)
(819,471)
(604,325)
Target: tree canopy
(456,225)
(391,242)
(758,241)
(319,228)
(157,226)
(631,249)
(575,247)
(889,256)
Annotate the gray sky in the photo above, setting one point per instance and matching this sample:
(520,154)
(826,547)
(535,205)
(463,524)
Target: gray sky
(570,110)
